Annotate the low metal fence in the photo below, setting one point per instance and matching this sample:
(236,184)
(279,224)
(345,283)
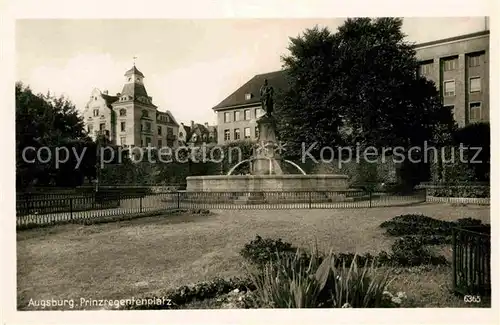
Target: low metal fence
(59,207)
(472,260)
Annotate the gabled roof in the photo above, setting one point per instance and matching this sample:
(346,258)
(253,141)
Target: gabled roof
(169,114)
(134,70)
(275,79)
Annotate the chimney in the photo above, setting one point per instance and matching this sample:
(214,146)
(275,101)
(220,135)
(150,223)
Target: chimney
(105,92)
(192,124)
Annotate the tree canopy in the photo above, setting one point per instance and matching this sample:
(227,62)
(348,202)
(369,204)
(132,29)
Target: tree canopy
(358,85)
(51,122)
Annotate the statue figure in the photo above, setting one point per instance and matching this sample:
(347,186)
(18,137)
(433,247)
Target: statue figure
(266,97)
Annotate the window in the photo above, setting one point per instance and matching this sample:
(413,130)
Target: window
(474,111)
(159,130)
(122,126)
(450,64)
(227,117)
(181,134)
(129,79)
(246,114)
(123,112)
(148,126)
(145,113)
(449,88)
(123,141)
(474,60)
(475,84)
(256,131)
(236,116)
(246,133)
(102,126)
(426,68)
(159,143)
(236,134)
(95,98)
(148,141)
(170,131)
(259,112)
(248,96)
(96,112)
(90,128)
(227,135)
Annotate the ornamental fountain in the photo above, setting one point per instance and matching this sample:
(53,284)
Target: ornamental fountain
(266,172)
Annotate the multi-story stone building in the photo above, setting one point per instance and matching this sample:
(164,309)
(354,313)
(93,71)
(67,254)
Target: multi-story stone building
(238,113)
(459,66)
(130,118)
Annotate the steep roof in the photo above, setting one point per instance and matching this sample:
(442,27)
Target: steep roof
(275,79)
(134,90)
(171,117)
(109,99)
(134,70)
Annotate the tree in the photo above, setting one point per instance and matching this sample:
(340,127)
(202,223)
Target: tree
(52,122)
(358,86)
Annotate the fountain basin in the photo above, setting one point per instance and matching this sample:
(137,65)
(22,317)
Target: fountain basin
(266,183)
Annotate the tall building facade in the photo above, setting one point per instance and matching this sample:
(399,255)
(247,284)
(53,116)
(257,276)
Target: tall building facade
(130,118)
(459,66)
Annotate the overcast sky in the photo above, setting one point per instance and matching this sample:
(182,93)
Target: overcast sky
(189,65)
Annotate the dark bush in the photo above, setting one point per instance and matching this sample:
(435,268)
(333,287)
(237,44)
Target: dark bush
(414,224)
(260,251)
(459,191)
(200,291)
(411,251)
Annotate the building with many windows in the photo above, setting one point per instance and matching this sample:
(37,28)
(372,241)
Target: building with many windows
(130,118)
(459,66)
(238,113)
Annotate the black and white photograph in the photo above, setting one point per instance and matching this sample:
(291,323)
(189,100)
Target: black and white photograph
(252,164)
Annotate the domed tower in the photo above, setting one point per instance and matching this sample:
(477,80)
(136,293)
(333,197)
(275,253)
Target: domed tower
(135,111)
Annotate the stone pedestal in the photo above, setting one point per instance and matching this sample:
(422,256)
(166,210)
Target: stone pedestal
(266,157)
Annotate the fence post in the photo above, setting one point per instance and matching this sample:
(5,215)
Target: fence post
(370,196)
(310,199)
(140,204)
(178,200)
(70,208)
(454,257)
(27,204)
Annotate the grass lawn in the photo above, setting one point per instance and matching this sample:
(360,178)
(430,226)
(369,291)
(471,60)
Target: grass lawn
(147,256)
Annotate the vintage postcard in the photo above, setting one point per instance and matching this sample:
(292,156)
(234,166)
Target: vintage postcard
(253,164)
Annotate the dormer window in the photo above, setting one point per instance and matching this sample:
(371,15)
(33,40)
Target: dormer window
(96,112)
(248,96)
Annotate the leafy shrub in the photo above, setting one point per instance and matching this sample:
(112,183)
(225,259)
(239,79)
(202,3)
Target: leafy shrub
(405,252)
(459,191)
(260,251)
(200,291)
(287,283)
(411,251)
(414,224)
